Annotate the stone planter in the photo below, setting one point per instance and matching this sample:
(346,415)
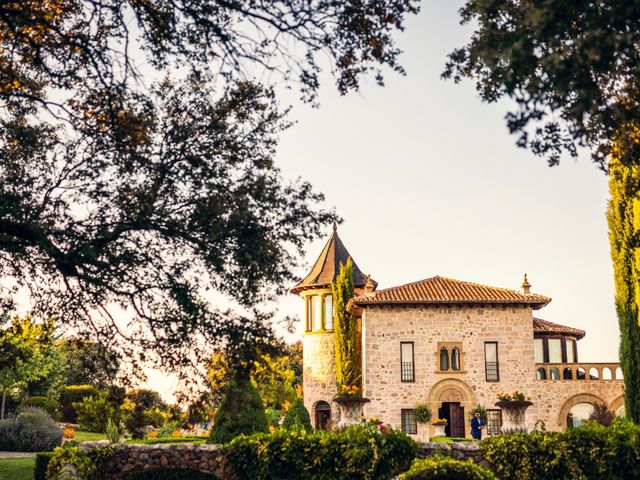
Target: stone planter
(350,410)
(439,429)
(513,415)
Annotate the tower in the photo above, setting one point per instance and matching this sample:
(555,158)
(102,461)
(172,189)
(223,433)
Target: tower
(319,379)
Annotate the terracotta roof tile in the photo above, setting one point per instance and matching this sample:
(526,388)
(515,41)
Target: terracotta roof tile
(442,290)
(327,266)
(544,326)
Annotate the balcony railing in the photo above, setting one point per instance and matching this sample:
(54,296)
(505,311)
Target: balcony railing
(579,371)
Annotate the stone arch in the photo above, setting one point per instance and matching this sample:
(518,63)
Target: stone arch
(616,404)
(574,400)
(452,390)
(322,412)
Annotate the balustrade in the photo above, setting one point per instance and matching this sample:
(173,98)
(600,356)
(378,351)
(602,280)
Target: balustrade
(588,372)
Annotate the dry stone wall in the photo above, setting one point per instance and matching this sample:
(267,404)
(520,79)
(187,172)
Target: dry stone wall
(129,458)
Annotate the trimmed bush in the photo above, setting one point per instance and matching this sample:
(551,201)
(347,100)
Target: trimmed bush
(40,468)
(240,413)
(74,394)
(443,468)
(359,452)
(170,474)
(297,417)
(32,430)
(88,465)
(94,412)
(590,452)
(45,403)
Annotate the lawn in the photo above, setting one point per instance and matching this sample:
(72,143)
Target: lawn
(17,468)
(89,436)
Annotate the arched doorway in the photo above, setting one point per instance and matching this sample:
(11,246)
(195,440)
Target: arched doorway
(322,415)
(453,400)
(568,416)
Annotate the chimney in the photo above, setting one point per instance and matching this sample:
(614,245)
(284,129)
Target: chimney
(526,286)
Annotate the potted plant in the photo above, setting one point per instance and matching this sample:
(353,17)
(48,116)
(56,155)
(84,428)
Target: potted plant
(350,401)
(514,406)
(423,413)
(439,425)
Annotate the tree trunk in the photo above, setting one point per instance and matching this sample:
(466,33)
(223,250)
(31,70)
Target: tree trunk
(4,397)
(623,216)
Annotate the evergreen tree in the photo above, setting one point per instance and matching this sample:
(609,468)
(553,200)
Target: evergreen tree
(297,417)
(241,412)
(623,216)
(345,328)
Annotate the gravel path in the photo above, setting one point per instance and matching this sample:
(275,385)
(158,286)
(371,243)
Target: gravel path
(16,454)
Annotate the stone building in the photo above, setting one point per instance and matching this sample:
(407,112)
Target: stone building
(453,345)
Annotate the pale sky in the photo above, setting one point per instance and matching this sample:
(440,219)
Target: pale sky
(429,182)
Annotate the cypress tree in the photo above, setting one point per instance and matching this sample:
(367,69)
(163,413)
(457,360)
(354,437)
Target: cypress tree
(623,215)
(345,328)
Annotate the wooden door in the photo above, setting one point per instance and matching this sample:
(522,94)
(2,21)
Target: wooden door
(456,419)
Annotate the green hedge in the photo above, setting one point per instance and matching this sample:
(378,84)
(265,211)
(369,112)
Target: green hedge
(170,474)
(590,452)
(153,441)
(40,468)
(444,468)
(359,452)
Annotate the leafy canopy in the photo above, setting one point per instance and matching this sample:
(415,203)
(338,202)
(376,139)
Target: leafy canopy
(573,69)
(127,188)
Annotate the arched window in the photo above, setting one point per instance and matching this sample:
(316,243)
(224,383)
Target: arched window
(455,358)
(444,359)
(541,374)
(554,373)
(317,312)
(323,415)
(328,312)
(567,374)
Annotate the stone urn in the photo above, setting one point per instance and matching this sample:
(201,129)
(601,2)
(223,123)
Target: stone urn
(513,415)
(350,409)
(439,429)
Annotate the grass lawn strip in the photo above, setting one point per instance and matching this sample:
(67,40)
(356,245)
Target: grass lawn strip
(17,468)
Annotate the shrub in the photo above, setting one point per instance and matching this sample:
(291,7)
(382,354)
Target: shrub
(170,474)
(359,452)
(592,452)
(89,465)
(443,468)
(241,412)
(297,417)
(45,403)
(167,428)
(601,414)
(32,430)
(40,468)
(73,394)
(95,411)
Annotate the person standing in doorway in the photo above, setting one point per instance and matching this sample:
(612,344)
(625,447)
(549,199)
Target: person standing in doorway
(476,426)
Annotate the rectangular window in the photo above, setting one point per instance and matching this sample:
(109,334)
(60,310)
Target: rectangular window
(494,422)
(317,312)
(555,350)
(409,424)
(539,350)
(570,354)
(309,315)
(491,367)
(328,312)
(407,366)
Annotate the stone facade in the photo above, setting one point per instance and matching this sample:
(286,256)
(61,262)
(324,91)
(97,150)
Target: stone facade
(319,382)
(428,327)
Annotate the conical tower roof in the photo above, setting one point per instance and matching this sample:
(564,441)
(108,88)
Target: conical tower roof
(327,266)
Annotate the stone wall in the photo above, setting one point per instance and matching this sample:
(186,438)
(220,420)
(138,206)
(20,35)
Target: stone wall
(130,458)
(319,383)
(384,327)
(458,450)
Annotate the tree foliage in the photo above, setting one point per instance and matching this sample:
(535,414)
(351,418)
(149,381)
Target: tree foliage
(345,328)
(573,69)
(90,363)
(623,215)
(28,353)
(125,187)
